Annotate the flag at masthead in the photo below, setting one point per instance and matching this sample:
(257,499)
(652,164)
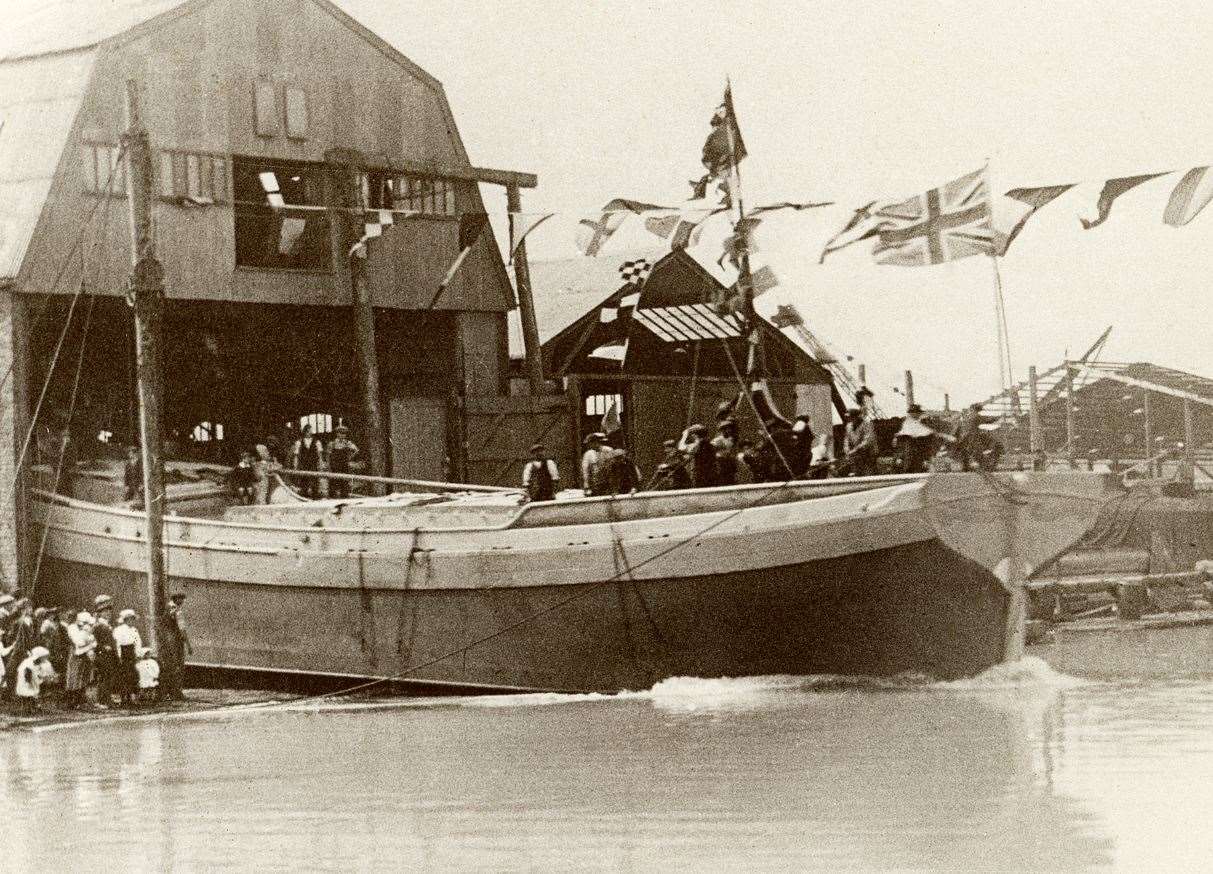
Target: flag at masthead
(723,150)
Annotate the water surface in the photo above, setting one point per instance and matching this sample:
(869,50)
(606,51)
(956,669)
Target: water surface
(1018,770)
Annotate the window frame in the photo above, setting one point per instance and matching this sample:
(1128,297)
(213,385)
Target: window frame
(433,197)
(265,108)
(212,179)
(250,214)
(96,169)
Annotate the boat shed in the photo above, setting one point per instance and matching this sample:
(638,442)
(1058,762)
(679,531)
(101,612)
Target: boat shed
(281,134)
(1127,413)
(660,354)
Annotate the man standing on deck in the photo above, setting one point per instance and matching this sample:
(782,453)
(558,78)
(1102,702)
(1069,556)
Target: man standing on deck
(540,477)
(859,443)
(915,440)
(342,451)
(174,647)
(591,462)
(725,446)
(696,446)
(672,472)
(308,454)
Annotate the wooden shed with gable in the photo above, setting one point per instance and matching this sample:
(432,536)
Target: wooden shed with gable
(661,355)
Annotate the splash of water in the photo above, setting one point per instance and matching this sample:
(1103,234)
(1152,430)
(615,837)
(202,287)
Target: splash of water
(1029,673)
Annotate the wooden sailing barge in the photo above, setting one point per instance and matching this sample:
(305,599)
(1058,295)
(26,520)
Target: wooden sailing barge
(875,576)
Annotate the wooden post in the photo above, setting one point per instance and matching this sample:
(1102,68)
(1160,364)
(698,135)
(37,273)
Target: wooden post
(863,374)
(1035,443)
(147,288)
(1149,426)
(344,233)
(909,388)
(1071,431)
(526,303)
(1189,438)
(368,368)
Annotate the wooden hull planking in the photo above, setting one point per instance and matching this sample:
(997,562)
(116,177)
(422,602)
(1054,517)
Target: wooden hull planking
(858,582)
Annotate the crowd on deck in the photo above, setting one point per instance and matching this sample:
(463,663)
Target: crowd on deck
(781,452)
(255,475)
(68,658)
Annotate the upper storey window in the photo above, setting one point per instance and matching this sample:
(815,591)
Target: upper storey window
(280,217)
(104,169)
(428,195)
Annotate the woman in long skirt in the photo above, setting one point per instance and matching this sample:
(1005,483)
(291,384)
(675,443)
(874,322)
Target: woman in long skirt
(128,643)
(79,660)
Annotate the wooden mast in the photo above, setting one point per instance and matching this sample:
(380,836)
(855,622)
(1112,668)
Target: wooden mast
(341,199)
(147,292)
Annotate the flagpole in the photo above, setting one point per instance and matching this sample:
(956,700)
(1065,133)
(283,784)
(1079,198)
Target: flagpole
(745,278)
(1004,341)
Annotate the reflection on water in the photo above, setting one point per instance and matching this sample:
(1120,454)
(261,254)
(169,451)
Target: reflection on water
(1019,770)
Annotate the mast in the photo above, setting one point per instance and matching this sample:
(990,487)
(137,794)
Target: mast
(745,279)
(342,197)
(147,292)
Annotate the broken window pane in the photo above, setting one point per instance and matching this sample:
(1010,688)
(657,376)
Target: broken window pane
(281,222)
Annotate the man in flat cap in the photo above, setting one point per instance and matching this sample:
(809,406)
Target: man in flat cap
(105,656)
(859,443)
(591,462)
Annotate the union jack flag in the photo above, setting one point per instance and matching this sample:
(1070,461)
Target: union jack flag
(945,224)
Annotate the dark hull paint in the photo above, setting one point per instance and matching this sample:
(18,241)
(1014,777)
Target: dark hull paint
(917,608)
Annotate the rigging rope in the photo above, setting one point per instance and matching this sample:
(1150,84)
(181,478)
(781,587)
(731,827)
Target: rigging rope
(11,491)
(107,199)
(46,527)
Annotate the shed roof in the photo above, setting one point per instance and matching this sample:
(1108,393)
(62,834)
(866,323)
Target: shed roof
(566,289)
(42,27)
(39,99)
(1164,380)
(47,50)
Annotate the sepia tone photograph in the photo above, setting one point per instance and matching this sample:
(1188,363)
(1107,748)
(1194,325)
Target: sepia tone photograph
(528,436)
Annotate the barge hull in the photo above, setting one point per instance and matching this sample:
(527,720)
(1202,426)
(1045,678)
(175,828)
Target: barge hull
(917,607)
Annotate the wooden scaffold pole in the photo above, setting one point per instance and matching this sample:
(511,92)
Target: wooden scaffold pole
(1071,427)
(1035,443)
(526,301)
(147,293)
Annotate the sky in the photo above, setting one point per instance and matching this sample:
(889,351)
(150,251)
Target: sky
(856,101)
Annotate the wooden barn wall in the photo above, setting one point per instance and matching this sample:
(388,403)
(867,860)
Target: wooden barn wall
(656,411)
(500,431)
(198,72)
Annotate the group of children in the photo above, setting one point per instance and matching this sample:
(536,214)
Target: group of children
(60,654)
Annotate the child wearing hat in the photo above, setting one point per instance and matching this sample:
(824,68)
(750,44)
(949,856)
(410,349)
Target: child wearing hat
(148,670)
(128,643)
(342,451)
(30,674)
